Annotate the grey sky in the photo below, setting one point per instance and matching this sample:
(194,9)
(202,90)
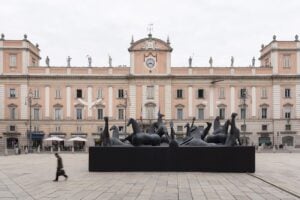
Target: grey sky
(201,28)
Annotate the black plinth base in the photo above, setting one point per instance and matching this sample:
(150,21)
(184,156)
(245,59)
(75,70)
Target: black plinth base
(206,159)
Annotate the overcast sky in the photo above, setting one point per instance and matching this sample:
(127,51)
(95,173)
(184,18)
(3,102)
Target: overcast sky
(198,28)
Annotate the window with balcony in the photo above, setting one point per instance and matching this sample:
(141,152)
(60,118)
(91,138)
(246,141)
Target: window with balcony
(78,113)
(120,113)
(13,111)
(58,113)
(100,113)
(287,112)
(264,113)
(36,113)
(179,113)
(243,113)
(222,113)
(201,113)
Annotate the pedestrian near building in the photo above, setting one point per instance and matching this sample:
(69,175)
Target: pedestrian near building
(60,169)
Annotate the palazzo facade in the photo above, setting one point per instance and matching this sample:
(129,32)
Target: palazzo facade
(69,101)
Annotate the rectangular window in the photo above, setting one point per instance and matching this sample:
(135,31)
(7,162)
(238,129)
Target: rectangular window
(179,113)
(79,113)
(13,60)
(100,113)
(12,128)
(179,128)
(201,113)
(180,94)
(121,113)
(100,94)
(78,129)
(222,113)
(264,113)
(243,93)
(57,94)
(288,127)
(120,93)
(287,93)
(36,113)
(78,93)
(150,92)
(264,127)
(57,128)
(12,93)
(13,113)
(222,93)
(264,93)
(57,113)
(286,61)
(243,113)
(200,93)
(36,93)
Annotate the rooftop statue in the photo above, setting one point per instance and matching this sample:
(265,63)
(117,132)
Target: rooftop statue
(47,61)
(210,62)
(231,61)
(69,61)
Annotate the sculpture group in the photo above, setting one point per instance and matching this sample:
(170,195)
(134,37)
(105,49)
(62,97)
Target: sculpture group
(157,134)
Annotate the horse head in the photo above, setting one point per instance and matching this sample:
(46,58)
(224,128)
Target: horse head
(114,127)
(130,121)
(233,115)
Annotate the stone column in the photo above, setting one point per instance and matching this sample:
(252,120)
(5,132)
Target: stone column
(131,102)
(232,99)
(253,96)
(168,102)
(110,100)
(276,101)
(24,101)
(47,102)
(297,101)
(190,100)
(211,102)
(68,102)
(2,93)
(90,99)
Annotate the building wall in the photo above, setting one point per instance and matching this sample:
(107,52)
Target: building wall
(134,81)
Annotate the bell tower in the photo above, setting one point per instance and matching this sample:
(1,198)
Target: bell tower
(150,56)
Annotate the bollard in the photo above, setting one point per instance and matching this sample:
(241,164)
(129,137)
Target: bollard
(51,149)
(72,149)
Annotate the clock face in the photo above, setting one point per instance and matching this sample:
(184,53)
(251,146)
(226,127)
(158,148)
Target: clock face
(150,62)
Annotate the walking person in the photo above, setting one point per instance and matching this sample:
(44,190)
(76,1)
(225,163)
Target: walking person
(59,170)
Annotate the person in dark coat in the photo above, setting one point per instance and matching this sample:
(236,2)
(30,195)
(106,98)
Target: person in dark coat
(59,170)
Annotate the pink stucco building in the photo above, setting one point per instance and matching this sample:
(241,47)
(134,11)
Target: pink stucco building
(69,101)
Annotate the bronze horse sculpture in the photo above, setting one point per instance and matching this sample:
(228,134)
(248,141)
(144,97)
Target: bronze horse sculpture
(139,138)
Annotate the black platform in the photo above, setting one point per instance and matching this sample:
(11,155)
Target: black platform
(206,159)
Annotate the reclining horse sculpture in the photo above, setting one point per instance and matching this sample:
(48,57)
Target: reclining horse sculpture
(114,140)
(139,138)
(219,135)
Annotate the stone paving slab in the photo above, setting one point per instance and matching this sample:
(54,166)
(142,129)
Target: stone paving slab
(30,177)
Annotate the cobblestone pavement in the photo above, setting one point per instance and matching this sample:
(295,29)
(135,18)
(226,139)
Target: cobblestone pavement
(30,177)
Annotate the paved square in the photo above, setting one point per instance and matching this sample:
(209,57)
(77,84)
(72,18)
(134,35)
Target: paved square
(30,177)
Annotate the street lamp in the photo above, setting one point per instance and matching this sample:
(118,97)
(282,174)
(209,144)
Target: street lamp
(29,97)
(244,96)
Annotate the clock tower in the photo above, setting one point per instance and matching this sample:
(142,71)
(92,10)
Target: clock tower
(150,56)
